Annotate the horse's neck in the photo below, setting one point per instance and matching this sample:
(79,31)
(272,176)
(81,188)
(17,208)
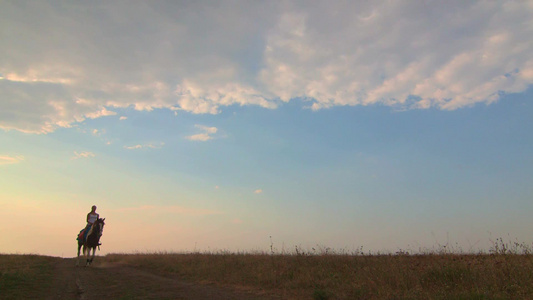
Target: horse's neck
(95,229)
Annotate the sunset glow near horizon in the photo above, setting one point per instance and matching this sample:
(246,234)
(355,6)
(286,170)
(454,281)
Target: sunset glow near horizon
(241,125)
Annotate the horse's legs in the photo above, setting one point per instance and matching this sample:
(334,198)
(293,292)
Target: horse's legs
(88,255)
(90,260)
(78,259)
(86,251)
(94,252)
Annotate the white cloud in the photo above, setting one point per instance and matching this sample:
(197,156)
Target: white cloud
(150,146)
(446,55)
(208,130)
(84,154)
(123,118)
(101,113)
(406,54)
(41,75)
(199,137)
(133,147)
(195,98)
(97,132)
(7,160)
(205,135)
(258,191)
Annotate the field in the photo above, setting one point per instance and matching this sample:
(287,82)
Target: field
(24,276)
(503,273)
(446,276)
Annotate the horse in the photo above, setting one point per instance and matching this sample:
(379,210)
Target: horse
(91,242)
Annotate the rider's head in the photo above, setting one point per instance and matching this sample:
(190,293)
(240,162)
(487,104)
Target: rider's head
(94,208)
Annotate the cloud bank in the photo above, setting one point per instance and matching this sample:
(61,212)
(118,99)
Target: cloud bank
(63,63)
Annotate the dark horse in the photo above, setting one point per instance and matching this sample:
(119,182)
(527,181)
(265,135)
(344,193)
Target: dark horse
(92,241)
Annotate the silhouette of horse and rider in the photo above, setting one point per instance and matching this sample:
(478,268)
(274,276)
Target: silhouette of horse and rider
(89,237)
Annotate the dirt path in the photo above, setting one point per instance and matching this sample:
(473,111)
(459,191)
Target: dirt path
(104,281)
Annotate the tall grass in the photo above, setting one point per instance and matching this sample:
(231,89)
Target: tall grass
(505,272)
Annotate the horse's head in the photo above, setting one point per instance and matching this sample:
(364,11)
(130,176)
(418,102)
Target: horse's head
(99,225)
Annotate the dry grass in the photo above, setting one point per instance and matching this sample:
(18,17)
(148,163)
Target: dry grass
(503,273)
(25,276)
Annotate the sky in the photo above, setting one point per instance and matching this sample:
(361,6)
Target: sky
(241,125)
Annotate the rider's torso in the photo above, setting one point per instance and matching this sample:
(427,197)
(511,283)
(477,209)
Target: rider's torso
(92,218)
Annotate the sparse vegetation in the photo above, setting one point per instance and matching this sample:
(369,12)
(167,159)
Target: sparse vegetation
(24,276)
(505,272)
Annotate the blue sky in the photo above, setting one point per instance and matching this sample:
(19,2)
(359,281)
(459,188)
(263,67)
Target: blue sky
(217,126)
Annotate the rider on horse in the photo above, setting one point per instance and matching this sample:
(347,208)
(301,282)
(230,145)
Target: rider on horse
(89,238)
(91,218)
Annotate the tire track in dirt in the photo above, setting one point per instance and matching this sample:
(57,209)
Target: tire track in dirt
(114,281)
